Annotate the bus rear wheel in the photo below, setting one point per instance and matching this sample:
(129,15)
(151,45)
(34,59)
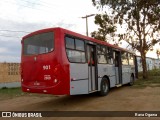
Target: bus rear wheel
(131,80)
(104,88)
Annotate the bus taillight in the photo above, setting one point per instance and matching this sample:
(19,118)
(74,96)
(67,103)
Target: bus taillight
(57,74)
(55,80)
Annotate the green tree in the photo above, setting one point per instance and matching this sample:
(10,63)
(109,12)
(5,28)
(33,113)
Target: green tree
(141,19)
(106,26)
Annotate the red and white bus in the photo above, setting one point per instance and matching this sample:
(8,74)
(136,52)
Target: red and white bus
(58,61)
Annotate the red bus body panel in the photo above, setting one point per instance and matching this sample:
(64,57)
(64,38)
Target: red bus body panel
(33,74)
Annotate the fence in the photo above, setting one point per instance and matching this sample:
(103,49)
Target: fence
(9,75)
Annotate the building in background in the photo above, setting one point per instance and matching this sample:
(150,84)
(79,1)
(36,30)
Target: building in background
(149,62)
(152,63)
(156,63)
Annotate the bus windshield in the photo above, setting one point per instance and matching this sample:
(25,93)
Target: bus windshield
(39,44)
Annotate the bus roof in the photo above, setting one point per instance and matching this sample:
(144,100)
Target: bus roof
(65,31)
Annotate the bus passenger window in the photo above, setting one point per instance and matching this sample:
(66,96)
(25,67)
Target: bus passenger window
(124,58)
(76,56)
(110,56)
(75,50)
(131,59)
(70,43)
(102,56)
(79,45)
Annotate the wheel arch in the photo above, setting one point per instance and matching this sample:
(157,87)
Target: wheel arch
(105,76)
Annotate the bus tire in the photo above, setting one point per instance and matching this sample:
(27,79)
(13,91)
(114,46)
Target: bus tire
(104,88)
(131,80)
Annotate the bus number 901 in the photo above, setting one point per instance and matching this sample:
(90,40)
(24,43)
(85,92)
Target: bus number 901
(46,67)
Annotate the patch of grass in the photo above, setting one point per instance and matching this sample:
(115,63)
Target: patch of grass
(7,93)
(154,72)
(152,81)
(4,87)
(6,90)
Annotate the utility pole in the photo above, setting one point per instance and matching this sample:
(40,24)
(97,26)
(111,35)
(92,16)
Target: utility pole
(86,17)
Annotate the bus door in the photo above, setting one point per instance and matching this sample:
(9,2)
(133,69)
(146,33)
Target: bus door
(92,64)
(118,67)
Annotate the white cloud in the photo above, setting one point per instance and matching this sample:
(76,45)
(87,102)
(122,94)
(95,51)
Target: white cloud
(2,50)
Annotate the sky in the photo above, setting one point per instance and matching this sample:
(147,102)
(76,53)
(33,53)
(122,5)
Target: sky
(20,17)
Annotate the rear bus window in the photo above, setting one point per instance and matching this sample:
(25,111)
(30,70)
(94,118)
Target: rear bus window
(39,44)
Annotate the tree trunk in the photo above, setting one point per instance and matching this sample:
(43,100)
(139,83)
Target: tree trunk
(144,65)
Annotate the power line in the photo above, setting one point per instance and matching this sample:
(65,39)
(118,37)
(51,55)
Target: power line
(9,36)
(31,7)
(31,2)
(40,6)
(50,4)
(14,31)
(40,3)
(21,5)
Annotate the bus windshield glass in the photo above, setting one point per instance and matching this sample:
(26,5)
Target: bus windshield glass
(39,44)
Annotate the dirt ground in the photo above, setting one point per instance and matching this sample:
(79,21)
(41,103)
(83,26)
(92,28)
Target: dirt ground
(119,99)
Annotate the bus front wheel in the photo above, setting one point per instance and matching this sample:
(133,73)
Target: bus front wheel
(104,88)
